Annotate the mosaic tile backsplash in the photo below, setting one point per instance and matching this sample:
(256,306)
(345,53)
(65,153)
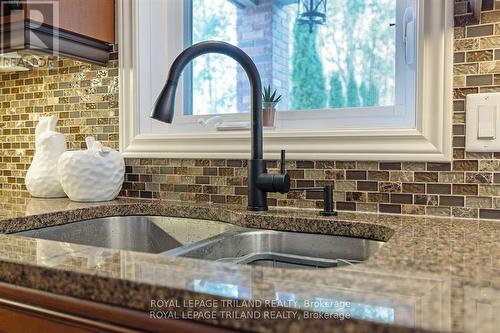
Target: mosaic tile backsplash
(86,97)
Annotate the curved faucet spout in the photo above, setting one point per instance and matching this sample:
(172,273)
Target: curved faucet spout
(259,181)
(163,109)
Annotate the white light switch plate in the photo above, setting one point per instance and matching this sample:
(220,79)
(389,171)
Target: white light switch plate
(483,123)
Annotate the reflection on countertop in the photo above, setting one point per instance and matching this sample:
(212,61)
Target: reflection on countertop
(437,274)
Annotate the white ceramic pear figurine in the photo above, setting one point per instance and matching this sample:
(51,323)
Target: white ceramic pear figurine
(42,178)
(95,174)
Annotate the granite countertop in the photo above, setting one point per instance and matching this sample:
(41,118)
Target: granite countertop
(435,274)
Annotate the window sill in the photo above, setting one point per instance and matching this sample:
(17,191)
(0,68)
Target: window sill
(375,145)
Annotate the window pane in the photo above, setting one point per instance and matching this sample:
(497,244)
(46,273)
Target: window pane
(214,76)
(347,62)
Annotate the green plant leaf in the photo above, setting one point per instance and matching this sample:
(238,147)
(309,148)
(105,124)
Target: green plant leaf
(268,97)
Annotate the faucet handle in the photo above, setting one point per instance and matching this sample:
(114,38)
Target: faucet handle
(328,201)
(282,163)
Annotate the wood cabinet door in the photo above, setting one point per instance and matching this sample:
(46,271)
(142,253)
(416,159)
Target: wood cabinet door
(91,18)
(19,321)
(24,310)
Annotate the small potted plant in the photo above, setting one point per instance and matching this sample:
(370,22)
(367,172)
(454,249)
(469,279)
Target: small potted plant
(269,106)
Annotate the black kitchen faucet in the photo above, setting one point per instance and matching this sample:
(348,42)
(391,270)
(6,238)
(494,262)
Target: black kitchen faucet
(259,181)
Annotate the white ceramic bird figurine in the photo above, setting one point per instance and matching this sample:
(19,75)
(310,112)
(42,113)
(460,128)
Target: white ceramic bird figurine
(42,179)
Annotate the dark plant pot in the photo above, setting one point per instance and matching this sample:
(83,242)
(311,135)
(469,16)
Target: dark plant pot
(269,114)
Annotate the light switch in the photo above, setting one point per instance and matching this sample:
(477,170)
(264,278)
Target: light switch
(482,127)
(486,122)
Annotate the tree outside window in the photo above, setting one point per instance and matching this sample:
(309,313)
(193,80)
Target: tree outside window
(349,62)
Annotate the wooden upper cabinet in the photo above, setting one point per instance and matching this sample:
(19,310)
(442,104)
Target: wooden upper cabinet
(79,29)
(90,18)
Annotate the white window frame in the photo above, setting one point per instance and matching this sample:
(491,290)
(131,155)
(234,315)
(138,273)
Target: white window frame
(143,73)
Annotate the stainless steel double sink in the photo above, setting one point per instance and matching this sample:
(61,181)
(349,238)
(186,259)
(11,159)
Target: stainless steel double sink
(211,240)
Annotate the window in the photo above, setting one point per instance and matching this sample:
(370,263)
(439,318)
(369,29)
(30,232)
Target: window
(349,67)
(371,82)
(347,62)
